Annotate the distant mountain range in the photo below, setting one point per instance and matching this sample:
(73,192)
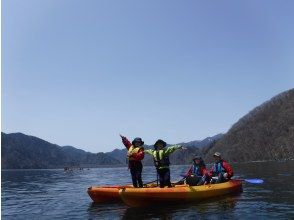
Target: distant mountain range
(20,151)
(265,133)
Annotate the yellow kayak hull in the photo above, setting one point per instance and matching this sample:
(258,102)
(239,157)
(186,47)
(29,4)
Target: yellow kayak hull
(138,197)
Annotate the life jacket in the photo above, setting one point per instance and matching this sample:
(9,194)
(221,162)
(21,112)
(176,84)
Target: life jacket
(218,168)
(196,170)
(160,160)
(133,150)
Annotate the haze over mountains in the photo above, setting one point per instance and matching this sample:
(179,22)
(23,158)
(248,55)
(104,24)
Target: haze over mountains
(265,133)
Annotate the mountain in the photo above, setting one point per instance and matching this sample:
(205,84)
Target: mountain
(265,133)
(203,143)
(20,151)
(118,154)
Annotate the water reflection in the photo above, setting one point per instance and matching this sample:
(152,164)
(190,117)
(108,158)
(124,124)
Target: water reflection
(221,206)
(203,209)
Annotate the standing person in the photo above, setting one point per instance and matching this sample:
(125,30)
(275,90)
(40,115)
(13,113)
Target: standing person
(197,173)
(134,156)
(161,160)
(221,171)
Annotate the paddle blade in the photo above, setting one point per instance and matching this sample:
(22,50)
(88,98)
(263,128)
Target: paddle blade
(255,181)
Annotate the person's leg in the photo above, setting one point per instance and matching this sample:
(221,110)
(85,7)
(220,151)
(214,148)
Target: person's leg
(192,180)
(139,175)
(167,178)
(161,178)
(203,180)
(134,176)
(213,179)
(220,178)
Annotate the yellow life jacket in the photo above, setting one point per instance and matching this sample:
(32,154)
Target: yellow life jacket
(133,150)
(160,159)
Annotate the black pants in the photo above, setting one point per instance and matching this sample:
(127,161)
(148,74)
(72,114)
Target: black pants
(136,172)
(195,180)
(164,177)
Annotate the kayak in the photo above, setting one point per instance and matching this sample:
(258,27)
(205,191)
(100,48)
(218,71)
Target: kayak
(104,194)
(100,194)
(138,197)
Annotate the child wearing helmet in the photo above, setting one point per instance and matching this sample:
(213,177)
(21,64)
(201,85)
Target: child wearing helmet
(197,173)
(134,156)
(161,160)
(221,171)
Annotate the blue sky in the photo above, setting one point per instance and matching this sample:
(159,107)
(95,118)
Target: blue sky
(78,72)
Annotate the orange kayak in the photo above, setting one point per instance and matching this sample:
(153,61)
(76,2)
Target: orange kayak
(137,197)
(100,194)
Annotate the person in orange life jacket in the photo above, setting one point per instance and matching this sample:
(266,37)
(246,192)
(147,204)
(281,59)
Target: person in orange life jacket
(197,173)
(221,171)
(134,156)
(161,160)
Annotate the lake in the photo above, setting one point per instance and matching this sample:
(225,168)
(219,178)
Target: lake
(56,194)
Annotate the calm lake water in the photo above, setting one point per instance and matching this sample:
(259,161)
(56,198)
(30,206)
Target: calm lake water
(55,194)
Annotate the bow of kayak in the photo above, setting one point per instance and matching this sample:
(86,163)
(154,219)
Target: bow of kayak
(104,194)
(101,194)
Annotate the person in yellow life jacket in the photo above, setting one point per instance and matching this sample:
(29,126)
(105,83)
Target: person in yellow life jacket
(161,160)
(135,155)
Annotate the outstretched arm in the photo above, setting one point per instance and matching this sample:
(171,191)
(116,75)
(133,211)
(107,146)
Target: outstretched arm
(126,142)
(172,149)
(150,151)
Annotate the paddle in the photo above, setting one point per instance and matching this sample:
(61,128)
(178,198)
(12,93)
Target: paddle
(253,181)
(182,175)
(150,182)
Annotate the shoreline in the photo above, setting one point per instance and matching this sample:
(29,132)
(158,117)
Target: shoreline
(118,166)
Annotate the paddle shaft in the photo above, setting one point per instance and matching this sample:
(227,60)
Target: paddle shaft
(254,181)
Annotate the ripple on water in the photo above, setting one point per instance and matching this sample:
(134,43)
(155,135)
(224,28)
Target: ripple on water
(55,194)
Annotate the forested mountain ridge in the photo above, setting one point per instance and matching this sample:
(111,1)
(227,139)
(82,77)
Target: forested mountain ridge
(20,151)
(265,133)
